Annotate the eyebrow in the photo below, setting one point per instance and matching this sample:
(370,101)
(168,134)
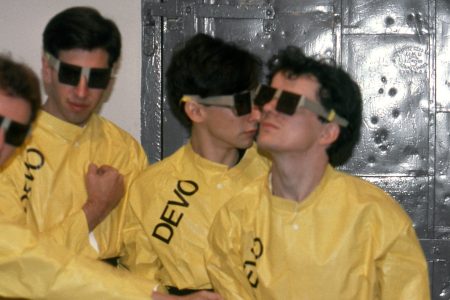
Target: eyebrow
(85,71)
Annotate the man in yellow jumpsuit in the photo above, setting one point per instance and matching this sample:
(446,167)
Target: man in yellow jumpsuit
(306,230)
(174,201)
(35,268)
(66,178)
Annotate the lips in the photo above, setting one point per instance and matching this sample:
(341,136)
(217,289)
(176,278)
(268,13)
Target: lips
(267,125)
(77,107)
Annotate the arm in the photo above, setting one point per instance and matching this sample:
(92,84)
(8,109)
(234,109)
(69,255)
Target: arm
(38,268)
(223,259)
(105,188)
(137,253)
(402,271)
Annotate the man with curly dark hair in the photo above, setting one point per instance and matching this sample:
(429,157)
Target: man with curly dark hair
(306,230)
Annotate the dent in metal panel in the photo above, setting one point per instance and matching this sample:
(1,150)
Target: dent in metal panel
(412,194)
(442,201)
(392,72)
(443,55)
(387,16)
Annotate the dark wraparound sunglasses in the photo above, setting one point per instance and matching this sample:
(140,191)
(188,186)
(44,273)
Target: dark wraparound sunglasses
(15,133)
(288,103)
(97,78)
(241,103)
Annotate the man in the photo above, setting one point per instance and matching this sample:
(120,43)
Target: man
(39,268)
(47,179)
(174,201)
(306,230)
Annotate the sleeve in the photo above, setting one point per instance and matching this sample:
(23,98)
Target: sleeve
(73,233)
(137,254)
(11,207)
(223,258)
(109,232)
(402,271)
(40,269)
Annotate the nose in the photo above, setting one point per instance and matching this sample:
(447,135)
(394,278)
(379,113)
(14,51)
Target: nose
(270,106)
(82,88)
(255,114)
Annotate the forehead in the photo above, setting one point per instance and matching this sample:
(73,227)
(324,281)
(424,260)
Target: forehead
(306,85)
(96,58)
(14,108)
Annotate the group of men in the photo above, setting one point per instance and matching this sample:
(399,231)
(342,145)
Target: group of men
(221,218)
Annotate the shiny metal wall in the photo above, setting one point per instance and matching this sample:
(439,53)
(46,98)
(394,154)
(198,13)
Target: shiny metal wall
(397,50)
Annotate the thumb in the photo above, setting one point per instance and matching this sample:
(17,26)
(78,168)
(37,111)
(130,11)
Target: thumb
(92,168)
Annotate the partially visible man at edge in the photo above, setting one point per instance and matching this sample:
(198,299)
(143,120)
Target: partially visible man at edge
(33,267)
(47,179)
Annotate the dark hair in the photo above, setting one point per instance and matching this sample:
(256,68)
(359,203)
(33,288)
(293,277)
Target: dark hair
(82,28)
(18,80)
(208,66)
(337,91)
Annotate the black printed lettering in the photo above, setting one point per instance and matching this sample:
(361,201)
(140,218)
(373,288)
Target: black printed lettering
(189,183)
(163,232)
(250,265)
(253,280)
(170,216)
(34,161)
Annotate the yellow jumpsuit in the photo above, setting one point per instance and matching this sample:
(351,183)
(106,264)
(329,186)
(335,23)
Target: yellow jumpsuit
(47,180)
(40,269)
(172,205)
(347,240)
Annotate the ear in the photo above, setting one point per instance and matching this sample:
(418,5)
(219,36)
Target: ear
(46,70)
(330,133)
(195,111)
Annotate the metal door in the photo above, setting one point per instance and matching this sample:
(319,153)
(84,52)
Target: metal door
(397,50)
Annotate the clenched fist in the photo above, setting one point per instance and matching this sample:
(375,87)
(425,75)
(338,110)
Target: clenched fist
(105,188)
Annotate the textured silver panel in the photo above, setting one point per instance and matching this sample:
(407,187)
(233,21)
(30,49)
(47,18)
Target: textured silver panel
(443,55)
(310,27)
(392,71)
(387,16)
(437,252)
(442,202)
(151,110)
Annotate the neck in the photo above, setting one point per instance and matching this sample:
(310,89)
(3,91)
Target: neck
(214,150)
(295,178)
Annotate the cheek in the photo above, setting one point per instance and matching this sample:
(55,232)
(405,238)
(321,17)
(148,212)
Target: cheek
(6,153)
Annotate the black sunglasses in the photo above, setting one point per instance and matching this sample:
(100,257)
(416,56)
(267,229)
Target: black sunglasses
(241,103)
(15,133)
(97,78)
(288,103)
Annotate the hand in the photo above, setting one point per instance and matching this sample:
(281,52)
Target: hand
(202,295)
(105,188)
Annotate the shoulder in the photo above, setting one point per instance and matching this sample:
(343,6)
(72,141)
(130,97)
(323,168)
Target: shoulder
(111,129)
(249,199)
(367,196)
(161,172)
